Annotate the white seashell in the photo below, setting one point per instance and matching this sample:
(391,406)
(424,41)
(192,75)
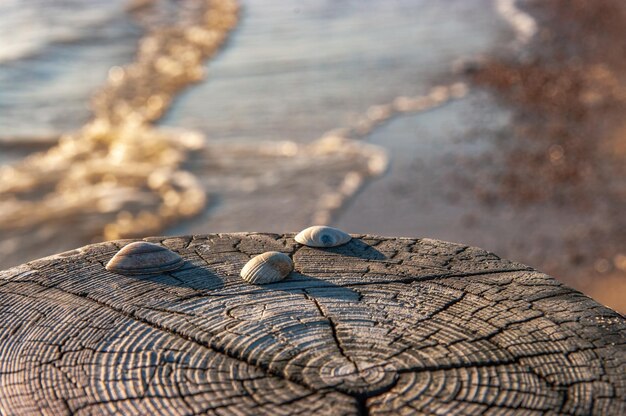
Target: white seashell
(322,236)
(144,258)
(269,267)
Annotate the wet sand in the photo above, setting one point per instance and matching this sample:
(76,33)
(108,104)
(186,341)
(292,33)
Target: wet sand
(569,147)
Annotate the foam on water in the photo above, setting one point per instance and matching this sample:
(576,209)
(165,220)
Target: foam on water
(524,24)
(118,176)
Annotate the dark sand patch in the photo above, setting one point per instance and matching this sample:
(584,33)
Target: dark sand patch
(568,148)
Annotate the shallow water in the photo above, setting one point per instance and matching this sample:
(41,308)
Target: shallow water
(53,55)
(296,72)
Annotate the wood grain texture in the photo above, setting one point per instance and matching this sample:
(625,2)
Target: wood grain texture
(378,326)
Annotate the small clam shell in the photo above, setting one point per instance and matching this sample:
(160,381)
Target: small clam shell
(144,258)
(322,236)
(269,267)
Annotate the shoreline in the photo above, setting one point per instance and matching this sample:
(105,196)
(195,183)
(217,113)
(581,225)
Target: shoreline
(455,172)
(524,188)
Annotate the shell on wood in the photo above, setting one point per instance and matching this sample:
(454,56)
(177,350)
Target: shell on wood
(322,236)
(144,258)
(268,267)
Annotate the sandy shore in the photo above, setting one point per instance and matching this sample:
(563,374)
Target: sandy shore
(569,147)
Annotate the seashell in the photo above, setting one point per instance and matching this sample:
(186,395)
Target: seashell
(144,258)
(322,236)
(269,267)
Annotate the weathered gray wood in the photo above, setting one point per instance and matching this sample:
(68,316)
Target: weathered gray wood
(378,326)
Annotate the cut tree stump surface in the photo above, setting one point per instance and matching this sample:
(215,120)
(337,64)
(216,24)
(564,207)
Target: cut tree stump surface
(378,326)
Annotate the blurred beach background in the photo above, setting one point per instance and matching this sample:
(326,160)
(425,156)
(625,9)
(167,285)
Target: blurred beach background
(495,123)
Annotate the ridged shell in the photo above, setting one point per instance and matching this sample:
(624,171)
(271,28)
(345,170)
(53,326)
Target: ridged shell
(269,267)
(144,258)
(322,236)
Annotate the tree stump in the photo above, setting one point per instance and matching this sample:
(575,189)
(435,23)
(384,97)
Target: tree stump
(377,326)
